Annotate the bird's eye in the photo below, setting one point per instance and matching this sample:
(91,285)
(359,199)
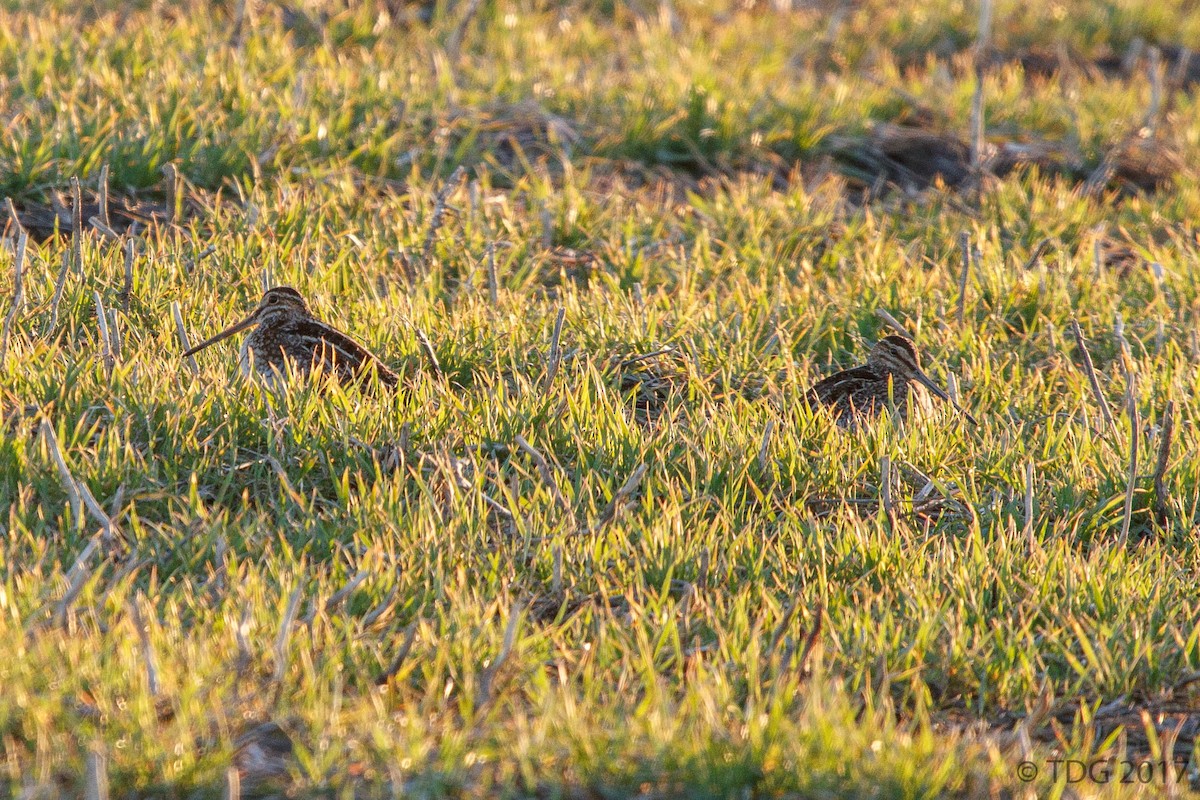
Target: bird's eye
(273,298)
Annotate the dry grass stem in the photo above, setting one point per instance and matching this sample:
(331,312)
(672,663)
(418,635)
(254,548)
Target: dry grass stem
(103,198)
(410,636)
(622,496)
(106,352)
(1090,371)
(454,45)
(1134,435)
(18,294)
(143,633)
(555,355)
(430,355)
(1165,434)
(892,323)
(438,216)
(377,613)
(764,447)
(487,681)
(103,227)
(77,227)
(885,488)
(191,263)
(95,785)
(127,288)
(547,475)
(64,474)
(1036,255)
(493,282)
(181,332)
(59,286)
(964,243)
(284,637)
(1029,532)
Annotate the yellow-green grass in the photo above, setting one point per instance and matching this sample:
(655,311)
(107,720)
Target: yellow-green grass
(661,645)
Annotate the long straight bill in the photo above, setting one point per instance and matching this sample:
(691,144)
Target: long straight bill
(937,391)
(225,334)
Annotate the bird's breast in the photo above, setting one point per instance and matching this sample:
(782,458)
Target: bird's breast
(261,354)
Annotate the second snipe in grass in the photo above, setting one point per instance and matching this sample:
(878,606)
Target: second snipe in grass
(892,367)
(287,332)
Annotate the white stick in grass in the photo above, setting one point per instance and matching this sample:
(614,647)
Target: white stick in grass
(181,330)
(18,293)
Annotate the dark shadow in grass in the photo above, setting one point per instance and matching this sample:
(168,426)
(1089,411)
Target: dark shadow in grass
(1045,62)
(130,212)
(649,380)
(913,159)
(1182,66)
(513,138)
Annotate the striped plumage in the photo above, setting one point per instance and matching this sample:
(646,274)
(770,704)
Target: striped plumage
(286,331)
(859,392)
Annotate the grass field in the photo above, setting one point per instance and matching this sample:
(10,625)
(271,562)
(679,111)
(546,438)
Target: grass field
(623,560)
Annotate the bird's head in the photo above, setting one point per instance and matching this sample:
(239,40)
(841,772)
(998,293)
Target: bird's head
(896,356)
(279,303)
(276,305)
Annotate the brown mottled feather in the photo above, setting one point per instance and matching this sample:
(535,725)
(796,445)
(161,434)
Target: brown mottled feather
(285,331)
(335,351)
(857,392)
(863,391)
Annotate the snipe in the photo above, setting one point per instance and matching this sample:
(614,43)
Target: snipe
(892,367)
(288,332)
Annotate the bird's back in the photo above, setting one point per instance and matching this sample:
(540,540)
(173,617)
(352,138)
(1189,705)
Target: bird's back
(307,342)
(859,391)
(340,354)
